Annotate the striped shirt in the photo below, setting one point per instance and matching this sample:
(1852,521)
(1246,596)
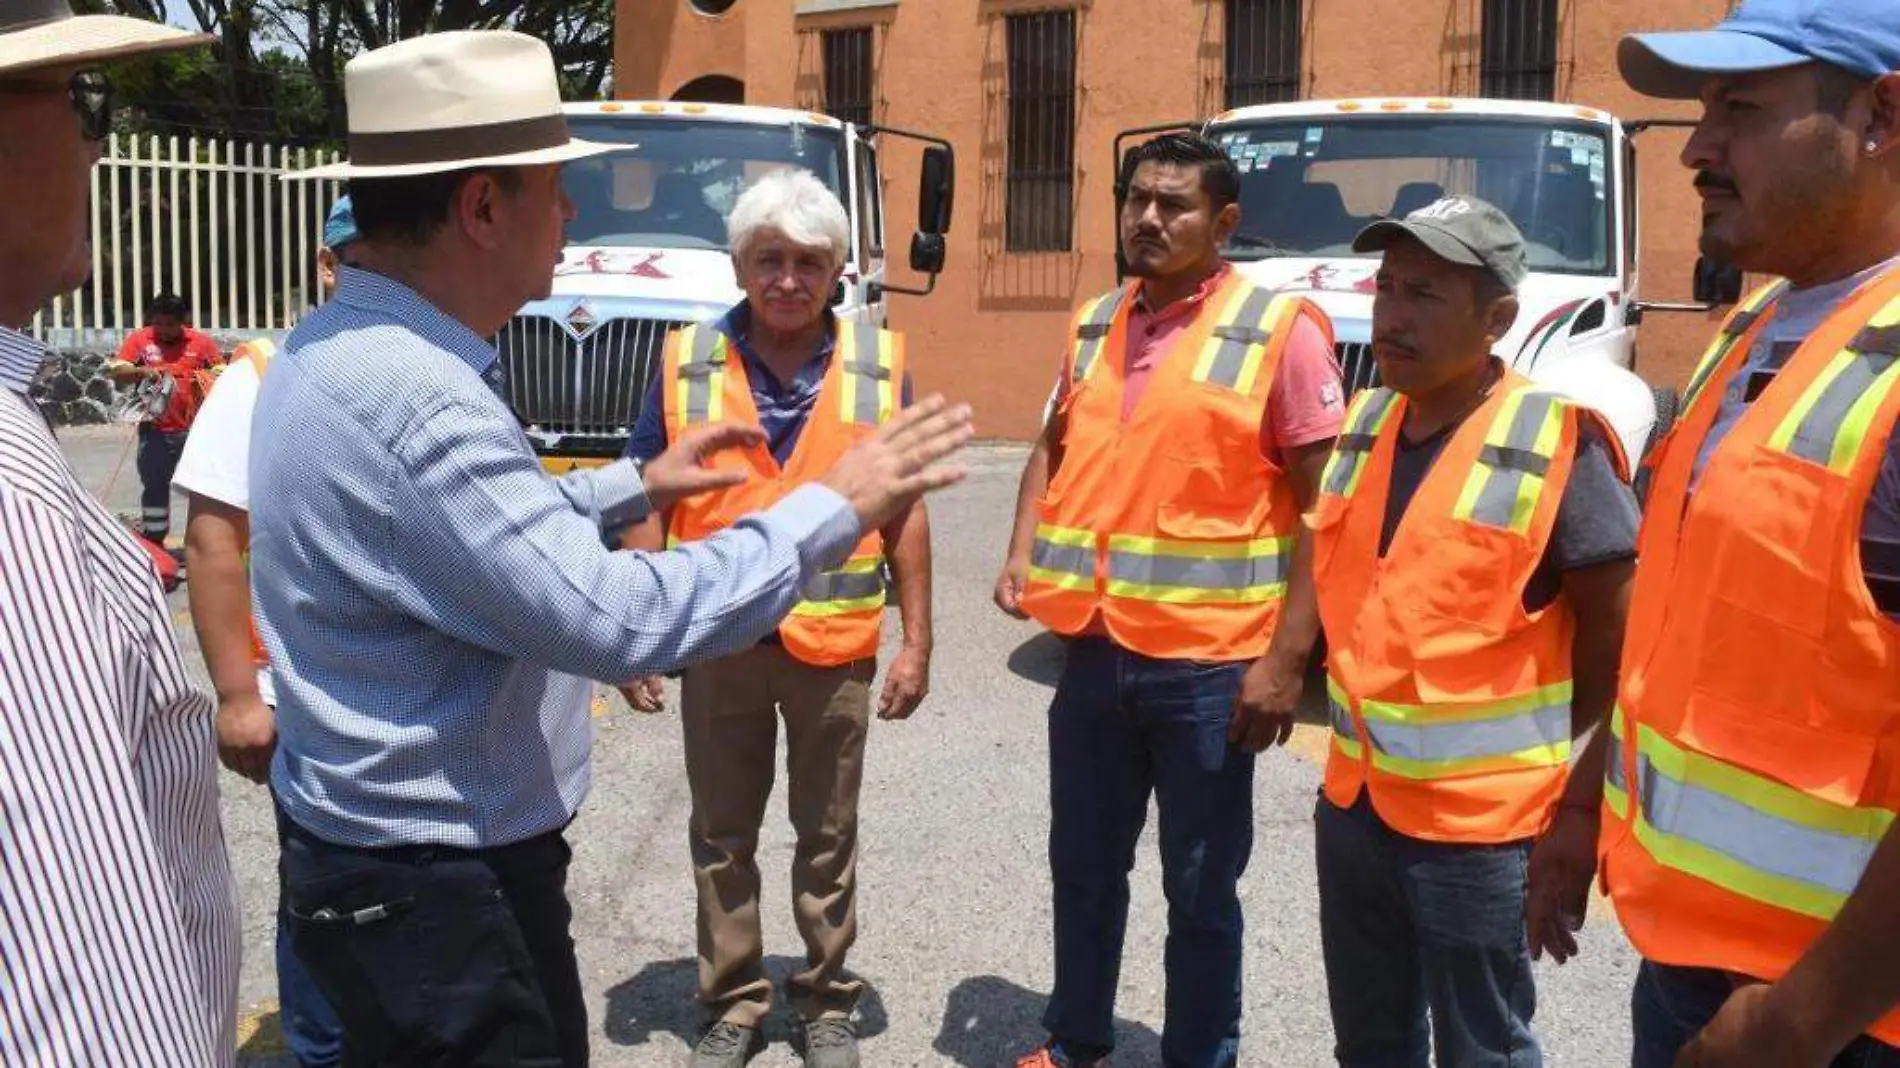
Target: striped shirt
(437,604)
(118,916)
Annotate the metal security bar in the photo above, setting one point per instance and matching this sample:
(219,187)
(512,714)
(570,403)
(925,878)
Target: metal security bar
(1263,52)
(848,74)
(589,387)
(209,220)
(1039,198)
(1518,58)
(1358,367)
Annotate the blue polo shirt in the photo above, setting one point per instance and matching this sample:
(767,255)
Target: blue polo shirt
(783,406)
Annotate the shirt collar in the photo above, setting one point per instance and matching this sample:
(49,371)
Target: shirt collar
(379,295)
(21,358)
(737,325)
(1192,300)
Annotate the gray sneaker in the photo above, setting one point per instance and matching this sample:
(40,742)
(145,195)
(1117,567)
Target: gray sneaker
(727,1045)
(831,1042)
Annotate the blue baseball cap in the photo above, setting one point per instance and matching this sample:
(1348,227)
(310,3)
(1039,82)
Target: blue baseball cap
(1859,36)
(340,228)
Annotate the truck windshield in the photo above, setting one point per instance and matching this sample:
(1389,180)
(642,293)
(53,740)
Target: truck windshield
(1308,185)
(676,188)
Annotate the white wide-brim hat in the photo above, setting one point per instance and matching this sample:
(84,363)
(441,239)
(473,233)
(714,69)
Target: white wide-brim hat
(35,34)
(454,101)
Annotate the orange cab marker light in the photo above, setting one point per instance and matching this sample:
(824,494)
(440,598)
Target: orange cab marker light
(1392,105)
(1589,113)
(613,107)
(1350,105)
(694,109)
(653,109)
(1438,105)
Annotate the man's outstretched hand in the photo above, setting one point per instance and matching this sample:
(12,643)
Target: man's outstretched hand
(681,471)
(887,472)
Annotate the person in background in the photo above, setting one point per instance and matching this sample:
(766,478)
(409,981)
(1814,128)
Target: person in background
(1473,544)
(780,361)
(214,474)
(165,346)
(1185,595)
(119,934)
(1754,784)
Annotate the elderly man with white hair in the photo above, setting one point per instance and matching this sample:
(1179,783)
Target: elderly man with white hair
(781,361)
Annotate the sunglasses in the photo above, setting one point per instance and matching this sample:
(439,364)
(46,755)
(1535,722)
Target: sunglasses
(91,97)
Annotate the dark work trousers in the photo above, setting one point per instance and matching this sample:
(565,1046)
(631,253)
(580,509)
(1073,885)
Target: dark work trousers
(439,956)
(1671,1005)
(159,451)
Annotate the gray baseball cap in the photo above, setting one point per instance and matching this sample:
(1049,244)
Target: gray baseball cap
(1460,229)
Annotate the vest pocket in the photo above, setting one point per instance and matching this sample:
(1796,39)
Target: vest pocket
(1472,578)
(1780,536)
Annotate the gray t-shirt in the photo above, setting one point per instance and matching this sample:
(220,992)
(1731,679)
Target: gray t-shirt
(1799,313)
(1596,520)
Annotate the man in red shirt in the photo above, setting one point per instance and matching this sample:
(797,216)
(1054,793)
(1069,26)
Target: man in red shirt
(165,345)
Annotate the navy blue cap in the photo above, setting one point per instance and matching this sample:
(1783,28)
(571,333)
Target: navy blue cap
(1859,36)
(340,228)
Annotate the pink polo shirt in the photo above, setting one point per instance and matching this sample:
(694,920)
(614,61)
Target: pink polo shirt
(1307,403)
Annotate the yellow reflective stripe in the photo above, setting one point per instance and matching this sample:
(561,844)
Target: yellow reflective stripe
(1829,424)
(1237,343)
(868,394)
(1213,550)
(1738,324)
(1073,536)
(1175,571)
(1618,800)
(1541,756)
(1503,488)
(1365,421)
(1062,580)
(1276,319)
(1764,795)
(1727,872)
(1349,748)
(1137,591)
(839,608)
(1542,697)
(1091,334)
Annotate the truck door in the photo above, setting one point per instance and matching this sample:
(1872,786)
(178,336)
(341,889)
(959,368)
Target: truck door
(867,190)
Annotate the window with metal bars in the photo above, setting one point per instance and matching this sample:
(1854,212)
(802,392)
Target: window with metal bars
(1519,50)
(1039,198)
(848,74)
(1263,52)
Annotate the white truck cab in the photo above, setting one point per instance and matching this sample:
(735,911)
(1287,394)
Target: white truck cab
(1314,173)
(647,252)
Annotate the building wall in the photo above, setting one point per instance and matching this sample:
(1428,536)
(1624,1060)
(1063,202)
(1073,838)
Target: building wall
(993,331)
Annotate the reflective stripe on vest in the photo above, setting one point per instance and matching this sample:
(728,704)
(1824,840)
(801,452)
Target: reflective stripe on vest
(1092,333)
(1063,557)
(1364,423)
(702,375)
(1234,348)
(1748,834)
(870,396)
(1198,572)
(1504,486)
(1345,731)
(1831,421)
(858,586)
(1616,784)
(1737,326)
(1531,730)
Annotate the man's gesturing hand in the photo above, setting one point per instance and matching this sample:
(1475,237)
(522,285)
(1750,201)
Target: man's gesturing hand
(681,471)
(887,472)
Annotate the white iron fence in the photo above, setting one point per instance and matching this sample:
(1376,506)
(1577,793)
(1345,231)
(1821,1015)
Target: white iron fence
(206,219)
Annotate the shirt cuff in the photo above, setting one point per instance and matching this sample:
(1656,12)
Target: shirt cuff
(822,523)
(621,496)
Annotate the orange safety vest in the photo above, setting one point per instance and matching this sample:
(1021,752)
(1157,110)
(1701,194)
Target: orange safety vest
(839,618)
(1464,696)
(1171,527)
(260,351)
(1756,760)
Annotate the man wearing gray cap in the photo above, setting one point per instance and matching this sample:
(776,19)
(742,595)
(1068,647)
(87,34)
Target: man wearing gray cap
(118,917)
(1756,769)
(1473,541)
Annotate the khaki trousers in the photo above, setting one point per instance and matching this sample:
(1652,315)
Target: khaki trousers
(730,710)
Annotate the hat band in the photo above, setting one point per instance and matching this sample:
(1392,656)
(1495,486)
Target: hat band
(403,148)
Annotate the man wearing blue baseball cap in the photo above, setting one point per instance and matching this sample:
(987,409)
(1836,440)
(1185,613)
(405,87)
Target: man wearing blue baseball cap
(214,473)
(1755,769)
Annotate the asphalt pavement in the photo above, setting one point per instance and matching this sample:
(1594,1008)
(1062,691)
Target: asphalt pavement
(954,892)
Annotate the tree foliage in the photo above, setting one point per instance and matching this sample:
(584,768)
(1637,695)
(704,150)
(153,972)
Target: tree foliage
(277,70)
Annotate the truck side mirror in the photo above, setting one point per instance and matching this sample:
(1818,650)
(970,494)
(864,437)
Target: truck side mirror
(936,191)
(926,253)
(1717,283)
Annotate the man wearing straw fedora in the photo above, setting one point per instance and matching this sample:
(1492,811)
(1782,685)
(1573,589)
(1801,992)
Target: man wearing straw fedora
(118,918)
(434,604)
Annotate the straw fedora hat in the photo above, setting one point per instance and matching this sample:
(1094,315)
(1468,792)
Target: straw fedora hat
(35,34)
(454,101)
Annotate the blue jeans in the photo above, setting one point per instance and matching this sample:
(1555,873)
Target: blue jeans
(311,1029)
(1671,1005)
(1412,927)
(1123,726)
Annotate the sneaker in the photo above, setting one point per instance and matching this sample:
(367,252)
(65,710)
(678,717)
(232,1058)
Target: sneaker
(831,1042)
(1050,1055)
(726,1045)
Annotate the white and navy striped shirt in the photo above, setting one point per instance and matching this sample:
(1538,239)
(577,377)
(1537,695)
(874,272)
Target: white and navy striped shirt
(118,916)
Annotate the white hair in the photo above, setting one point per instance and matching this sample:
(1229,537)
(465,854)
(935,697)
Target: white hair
(795,203)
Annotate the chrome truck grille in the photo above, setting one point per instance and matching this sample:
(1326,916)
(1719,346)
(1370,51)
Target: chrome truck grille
(589,391)
(1358,367)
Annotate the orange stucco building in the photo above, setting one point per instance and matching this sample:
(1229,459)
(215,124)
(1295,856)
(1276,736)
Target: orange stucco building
(993,330)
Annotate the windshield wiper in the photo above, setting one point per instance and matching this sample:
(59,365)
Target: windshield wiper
(1256,246)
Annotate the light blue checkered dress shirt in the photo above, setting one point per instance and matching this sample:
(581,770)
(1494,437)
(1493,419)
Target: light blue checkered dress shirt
(434,603)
